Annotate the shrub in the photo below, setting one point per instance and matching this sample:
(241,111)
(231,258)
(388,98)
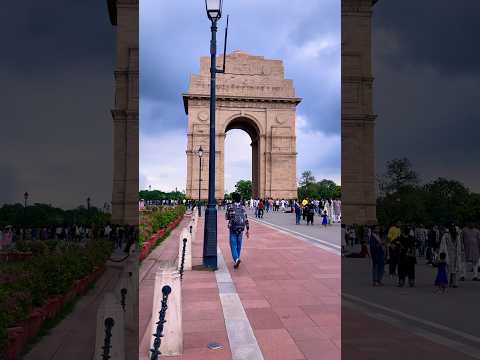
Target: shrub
(51,271)
(153,221)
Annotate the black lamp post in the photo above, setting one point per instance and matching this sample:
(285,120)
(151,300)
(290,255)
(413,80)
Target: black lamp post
(88,210)
(200,154)
(25,198)
(214,13)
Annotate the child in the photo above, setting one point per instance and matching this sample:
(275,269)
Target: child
(324,218)
(441,280)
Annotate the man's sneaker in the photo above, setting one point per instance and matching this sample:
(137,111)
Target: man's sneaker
(237,263)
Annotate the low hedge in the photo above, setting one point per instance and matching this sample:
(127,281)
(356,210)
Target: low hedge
(50,272)
(153,221)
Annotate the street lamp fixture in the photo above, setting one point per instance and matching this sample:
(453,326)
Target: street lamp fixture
(214,13)
(214,9)
(200,154)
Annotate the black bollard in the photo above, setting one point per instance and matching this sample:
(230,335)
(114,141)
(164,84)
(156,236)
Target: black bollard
(166,290)
(182,264)
(109,322)
(123,294)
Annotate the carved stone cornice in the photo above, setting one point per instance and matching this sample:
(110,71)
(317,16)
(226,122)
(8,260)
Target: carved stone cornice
(255,101)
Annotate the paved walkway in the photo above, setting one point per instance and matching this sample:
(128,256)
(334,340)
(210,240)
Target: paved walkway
(417,320)
(329,235)
(289,291)
(372,336)
(74,337)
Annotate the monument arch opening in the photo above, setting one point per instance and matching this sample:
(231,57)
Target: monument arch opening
(249,127)
(254,96)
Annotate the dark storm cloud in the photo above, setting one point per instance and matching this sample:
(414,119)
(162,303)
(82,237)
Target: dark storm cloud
(54,33)
(438,33)
(426,87)
(57,80)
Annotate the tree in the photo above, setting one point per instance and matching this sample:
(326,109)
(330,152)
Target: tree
(447,201)
(307,178)
(399,174)
(244,188)
(327,189)
(323,189)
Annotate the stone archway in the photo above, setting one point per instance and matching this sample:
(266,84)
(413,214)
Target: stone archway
(251,128)
(254,96)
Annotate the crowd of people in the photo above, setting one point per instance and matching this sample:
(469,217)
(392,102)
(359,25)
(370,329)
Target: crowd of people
(120,234)
(328,209)
(164,202)
(453,250)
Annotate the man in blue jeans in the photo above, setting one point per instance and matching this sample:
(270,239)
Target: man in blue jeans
(298,213)
(236,216)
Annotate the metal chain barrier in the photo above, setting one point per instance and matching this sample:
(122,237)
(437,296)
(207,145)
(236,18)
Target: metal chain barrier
(119,260)
(123,294)
(109,322)
(182,264)
(166,290)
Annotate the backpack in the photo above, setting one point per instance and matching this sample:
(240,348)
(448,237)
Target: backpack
(237,218)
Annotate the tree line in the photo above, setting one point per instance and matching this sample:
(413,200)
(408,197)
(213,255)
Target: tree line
(403,197)
(161,195)
(40,215)
(309,187)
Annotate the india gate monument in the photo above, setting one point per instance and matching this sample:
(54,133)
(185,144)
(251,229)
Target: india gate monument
(253,95)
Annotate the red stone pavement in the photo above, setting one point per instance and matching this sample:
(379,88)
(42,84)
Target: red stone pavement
(289,289)
(367,338)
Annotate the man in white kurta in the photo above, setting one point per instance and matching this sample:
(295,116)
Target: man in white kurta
(452,246)
(471,243)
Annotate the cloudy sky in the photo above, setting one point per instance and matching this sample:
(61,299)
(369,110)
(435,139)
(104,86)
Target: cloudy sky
(56,72)
(173,36)
(426,90)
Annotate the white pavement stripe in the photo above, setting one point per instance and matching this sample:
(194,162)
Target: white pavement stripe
(243,344)
(436,338)
(424,322)
(325,245)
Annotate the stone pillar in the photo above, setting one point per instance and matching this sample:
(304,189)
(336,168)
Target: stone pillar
(255,169)
(124,15)
(358,120)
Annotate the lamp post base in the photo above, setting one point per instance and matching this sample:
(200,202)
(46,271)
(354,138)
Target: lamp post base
(210,238)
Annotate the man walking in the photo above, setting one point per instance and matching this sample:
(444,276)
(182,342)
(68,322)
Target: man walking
(237,222)
(298,213)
